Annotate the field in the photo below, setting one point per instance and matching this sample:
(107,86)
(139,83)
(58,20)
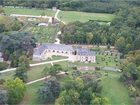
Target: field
(43,34)
(27,11)
(31,94)
(34,72)
(66,16)
(114,90)
(70,16)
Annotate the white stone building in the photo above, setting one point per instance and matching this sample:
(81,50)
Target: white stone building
(46,51)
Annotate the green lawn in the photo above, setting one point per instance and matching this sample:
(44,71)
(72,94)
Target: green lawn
(31,94)
(33,74)
(70,16)
(114,90)
(27,11)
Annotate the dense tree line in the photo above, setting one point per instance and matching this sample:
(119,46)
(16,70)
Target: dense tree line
(123,32)
(106,6)
(131,74)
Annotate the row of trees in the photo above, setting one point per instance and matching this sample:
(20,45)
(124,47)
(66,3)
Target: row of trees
(124,31)
(106,6)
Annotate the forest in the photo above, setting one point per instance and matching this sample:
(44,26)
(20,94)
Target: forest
(123,32)
(102,6)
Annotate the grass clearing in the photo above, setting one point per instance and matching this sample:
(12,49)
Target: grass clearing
(114,90)
(26,11)
(71,16)
(33,74)
(31,94)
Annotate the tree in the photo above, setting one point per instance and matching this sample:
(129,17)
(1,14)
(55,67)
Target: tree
(15,89)
(69,97)
(21,71)
(120,44)
(49,91)
(131,67)
(24,61)
(3,65)
(53,70)
(3,97)
(137,44)
(2,28)
(100,101)
(16,44)
(1,10)
(89,37)
(16,25)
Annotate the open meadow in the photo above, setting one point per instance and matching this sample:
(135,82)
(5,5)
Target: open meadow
(71,16)
(26,11)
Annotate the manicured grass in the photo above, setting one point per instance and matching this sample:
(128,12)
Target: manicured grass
(43,34)
(70,16)
(114,90)
(27,11)
(36,72)
(33,74)
(31,94)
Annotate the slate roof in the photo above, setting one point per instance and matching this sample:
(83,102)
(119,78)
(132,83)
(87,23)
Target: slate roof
(85,52)
(61,47)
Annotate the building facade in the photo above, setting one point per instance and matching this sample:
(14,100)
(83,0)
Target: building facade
(46,51)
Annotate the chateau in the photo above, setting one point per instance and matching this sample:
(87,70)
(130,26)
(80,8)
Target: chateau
(46,51)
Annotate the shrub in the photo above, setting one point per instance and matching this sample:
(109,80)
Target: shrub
(3,65)
(97,68)
(2,81)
